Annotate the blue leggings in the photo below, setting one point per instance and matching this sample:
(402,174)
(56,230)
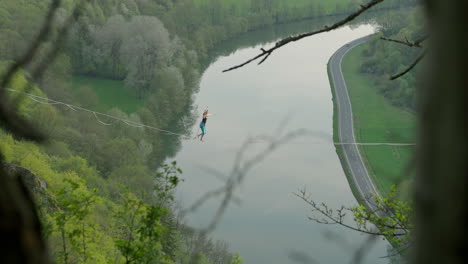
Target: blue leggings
(203,128)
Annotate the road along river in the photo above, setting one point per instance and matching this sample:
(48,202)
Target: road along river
(352,155)
(270,224)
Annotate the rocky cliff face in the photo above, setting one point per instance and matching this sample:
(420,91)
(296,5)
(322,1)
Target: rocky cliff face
(31,181)
(20,228)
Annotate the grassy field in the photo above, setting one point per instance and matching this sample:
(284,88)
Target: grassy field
(111,93)
(376,120)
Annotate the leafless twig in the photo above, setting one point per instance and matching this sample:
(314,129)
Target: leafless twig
(417,43)
(20,127)
(40,69)
(265,53)
(33,49)
(337,217)
(394,77)
(60,39)
(240,169)
(18,210)
(9,120)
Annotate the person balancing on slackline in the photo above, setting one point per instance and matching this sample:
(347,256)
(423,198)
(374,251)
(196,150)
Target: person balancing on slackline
(203,124)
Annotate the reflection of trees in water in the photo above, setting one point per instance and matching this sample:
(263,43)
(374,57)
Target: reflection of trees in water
(275,32)
(266,35)
(441,196)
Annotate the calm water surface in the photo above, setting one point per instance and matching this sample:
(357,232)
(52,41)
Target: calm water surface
(270,224)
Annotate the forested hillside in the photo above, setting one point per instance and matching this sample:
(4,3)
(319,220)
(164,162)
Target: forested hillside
(154,47)
(383,59)
(109,196)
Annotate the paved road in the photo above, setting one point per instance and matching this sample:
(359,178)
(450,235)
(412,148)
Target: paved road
(345,123)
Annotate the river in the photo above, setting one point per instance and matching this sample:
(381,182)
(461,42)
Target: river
(290,90)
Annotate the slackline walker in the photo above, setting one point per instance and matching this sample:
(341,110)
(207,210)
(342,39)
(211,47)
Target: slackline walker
(203,124)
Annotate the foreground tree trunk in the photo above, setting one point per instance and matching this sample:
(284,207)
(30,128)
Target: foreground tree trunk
(20,229)
(442,157)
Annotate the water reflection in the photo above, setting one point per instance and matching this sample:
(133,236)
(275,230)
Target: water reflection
(270,225)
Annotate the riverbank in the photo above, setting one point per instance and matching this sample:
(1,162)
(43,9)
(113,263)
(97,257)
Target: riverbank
(253,101)
(374,120)
(336,138)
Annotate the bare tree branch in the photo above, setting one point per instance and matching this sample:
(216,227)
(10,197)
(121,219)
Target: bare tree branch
(33,49)
(394,77)
(406,42)
(239,171)
(279,44)
(9,119)
(39,70)
(202,200)
(337,217)
(20,221)
(58,43)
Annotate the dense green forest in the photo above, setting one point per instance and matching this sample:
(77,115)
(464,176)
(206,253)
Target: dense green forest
(109,195)
(383,59)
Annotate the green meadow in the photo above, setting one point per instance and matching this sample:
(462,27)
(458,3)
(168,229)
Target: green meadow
(110,93)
